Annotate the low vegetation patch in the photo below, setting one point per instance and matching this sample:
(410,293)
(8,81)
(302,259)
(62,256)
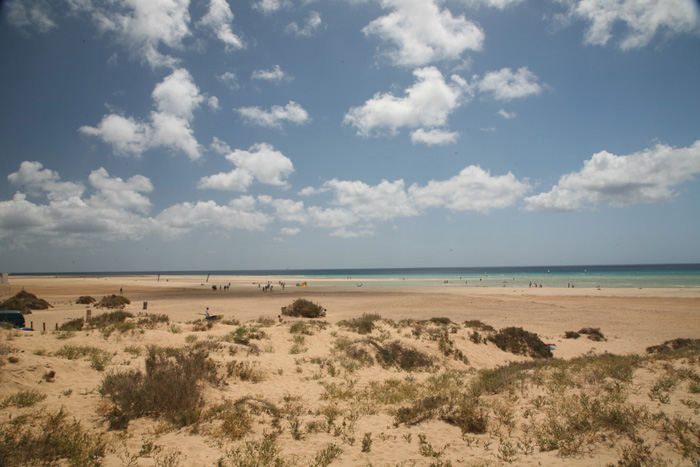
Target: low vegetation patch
(593,334)
(113,301)
(85,300)
(302,308)
(169,388)
(520,342)
(692,345)
(362,325)
(25,302)
(49,439)
(22,399)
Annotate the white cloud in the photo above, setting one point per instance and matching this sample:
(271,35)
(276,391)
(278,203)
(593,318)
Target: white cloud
(116,193)
(115,210)
(276,116)
(507,115)
(427,104)
(35,180)
(229,79)
(218,19)
(275,75)
(182,218)
(290,231)
(434,137)
(287,210)
(261,162)
(474,189)
(31,14)
(423,33)
(345,233)
(143,26)
(499,4)
(176,98)
(642,19)
(213,103)
(649,176)
(271,6)
(313,22)
(506,85)
(331,218)
(386,200)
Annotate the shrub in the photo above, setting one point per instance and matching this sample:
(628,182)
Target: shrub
(361,325)
(85,300)
(169,388)
(303,308)
(150,321)
(468,416)
(25,302)
(593,334)
(692,345)
(22,399)
(113,301)
(72,325)
(405,358)
(520,342)
(571,335)
(53,439)
(478,325)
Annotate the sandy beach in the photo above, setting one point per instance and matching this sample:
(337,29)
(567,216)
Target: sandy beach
(304,375)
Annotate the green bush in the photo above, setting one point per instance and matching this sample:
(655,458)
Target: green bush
(72,325)
(25,302)
(302,308)
(169,388)
(361,325)
(520,342)
(113,301)
(85,300)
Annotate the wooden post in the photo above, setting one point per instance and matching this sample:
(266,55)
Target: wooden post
(56,326)
(44,326)
(88,314)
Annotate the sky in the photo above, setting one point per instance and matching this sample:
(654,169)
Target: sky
(161,135)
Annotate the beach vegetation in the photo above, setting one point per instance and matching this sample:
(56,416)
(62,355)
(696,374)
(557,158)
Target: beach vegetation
(571,335)
(50,439)
(151,320)
(327,455)
(593,334)
(265,321)
(25,302)
(520,342)
(113,301)
(244,334)
(302,308)
(262,452)
(676,347)
(478,325)
(22,399)
(361,325)
(245,371)
(85,300)
(76,324)
(169,388)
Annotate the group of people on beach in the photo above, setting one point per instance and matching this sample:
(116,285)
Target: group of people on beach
(268,287)
(535,285)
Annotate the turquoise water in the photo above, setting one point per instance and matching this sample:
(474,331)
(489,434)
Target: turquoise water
(614,276)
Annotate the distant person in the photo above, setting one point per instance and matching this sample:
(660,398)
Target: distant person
(323,313)
(207,314)
(280,318)
(121,290)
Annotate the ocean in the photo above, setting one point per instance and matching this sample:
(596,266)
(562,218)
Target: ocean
(587,276)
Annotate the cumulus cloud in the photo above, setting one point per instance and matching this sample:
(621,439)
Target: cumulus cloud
(115,210)
(31,15)
(507,115)
(261,162)
(290,231)
(34,180)
(229,79)
(144,26)
(276,116)
(473,189)
(313,23)
(275,75)
(506,85)
(271,6)
(176,98)
(218,19)
(434,137)
(427,104)
(182,218)
(422,33)
(499,4)
(642,20)
(648,176)
(386,200)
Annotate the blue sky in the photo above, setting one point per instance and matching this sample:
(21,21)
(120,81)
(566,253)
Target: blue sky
(272,134)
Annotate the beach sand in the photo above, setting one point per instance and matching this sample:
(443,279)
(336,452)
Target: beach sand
(333,405)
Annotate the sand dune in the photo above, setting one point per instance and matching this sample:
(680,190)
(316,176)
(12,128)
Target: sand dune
(322,404)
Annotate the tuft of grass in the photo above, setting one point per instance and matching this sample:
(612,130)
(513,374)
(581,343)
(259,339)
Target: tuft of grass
(264,452)
(676,346)
(571,335)
(22,399)
(72,325)
(151,320)
(520,342)
(361,325)
(52,440)
(478,325)
(245,371)
(244,334)
(327,455)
